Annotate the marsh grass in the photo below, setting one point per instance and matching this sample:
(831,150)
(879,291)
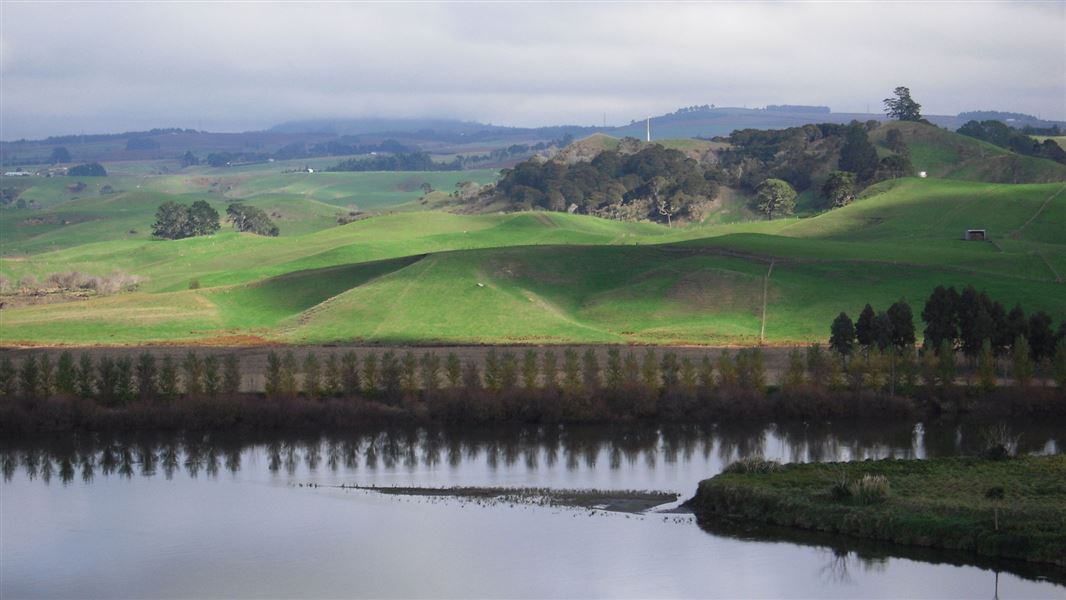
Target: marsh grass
(870,489)
(753,464)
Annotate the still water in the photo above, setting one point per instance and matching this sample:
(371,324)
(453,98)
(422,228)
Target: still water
(207,515)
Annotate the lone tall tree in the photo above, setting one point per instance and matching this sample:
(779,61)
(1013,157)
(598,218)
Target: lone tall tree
(842,335)
(775,197)
(901,107)
(902,324)
(864,327)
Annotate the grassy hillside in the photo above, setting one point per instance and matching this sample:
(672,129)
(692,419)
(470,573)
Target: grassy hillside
(414,275)
(228,258)
(538,277)
(544,294)
(943,153)
(62,214)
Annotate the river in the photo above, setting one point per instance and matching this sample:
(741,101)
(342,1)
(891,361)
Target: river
(212,515)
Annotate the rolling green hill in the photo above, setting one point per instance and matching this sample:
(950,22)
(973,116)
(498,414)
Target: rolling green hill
(62,214)
(552,277)
(943,153)
(407,274)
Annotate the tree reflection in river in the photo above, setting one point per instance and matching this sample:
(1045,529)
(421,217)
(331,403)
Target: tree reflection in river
(500,447)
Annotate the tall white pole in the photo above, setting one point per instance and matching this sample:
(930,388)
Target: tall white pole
(648,130)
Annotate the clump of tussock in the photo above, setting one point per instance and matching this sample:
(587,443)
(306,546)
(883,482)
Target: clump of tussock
(871,489)
(840,490)
(753,464)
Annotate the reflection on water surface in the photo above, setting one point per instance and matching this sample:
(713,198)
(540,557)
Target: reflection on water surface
(212,515)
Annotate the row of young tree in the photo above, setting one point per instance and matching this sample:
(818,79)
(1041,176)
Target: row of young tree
(175,221)
(393,377)
(115,381)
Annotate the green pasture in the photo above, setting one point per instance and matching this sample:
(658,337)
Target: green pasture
(560,293)
(942,153)
(418,276)
(61,216)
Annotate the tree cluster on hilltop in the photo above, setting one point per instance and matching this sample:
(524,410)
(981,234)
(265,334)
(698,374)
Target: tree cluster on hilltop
(251,219)
(403,161)
(87,170)
(175,221)
(802,155)
(654,183)
(1005,136)
(835,160)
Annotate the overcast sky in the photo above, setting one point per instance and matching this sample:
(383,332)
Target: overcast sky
(100,67)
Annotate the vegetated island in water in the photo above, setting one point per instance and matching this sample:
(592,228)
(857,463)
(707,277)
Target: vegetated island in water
(1001,507)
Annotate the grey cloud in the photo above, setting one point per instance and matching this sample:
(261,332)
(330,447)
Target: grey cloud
(99,67)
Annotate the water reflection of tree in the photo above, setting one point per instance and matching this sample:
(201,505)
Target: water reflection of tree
(837,568)
(738,441)
(531,448)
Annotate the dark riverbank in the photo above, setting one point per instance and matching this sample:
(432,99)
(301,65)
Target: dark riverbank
(247,411)
(1011,508)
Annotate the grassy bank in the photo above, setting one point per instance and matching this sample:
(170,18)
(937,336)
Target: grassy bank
(950,503)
